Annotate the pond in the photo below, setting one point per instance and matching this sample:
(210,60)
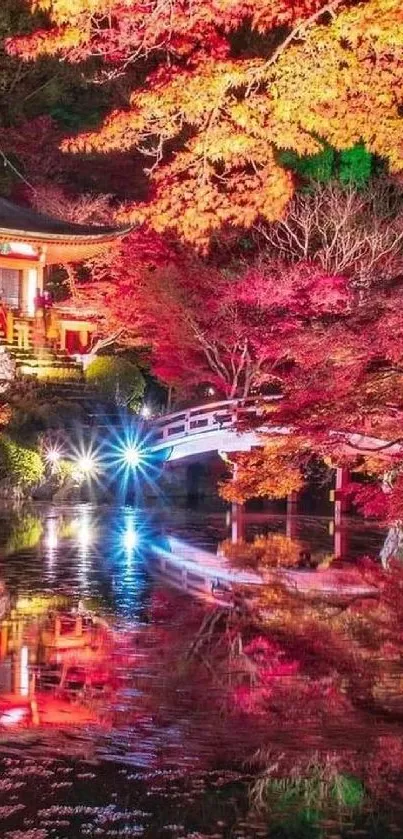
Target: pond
(152,686)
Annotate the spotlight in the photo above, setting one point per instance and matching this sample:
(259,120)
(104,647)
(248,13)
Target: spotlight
(132,456)
(145,411)
(86,464)
(53,456)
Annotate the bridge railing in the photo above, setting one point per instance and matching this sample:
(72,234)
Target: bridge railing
(203,418)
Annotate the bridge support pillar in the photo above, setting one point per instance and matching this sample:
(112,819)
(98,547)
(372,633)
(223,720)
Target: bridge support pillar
(340,497)
(338,527)
(237,523)
(291,521)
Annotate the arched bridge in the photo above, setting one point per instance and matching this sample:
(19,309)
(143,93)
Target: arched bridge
(214,427)
(206,428)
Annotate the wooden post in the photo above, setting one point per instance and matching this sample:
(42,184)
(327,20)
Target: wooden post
(340,499)
(4,640)
(340,507)
(10,327)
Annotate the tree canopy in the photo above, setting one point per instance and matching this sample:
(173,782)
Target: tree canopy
(228,86)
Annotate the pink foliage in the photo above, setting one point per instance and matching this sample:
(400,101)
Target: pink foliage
(370,499)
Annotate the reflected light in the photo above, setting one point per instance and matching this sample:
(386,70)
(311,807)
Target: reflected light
(130,537)
(85,538)
(51,538)
(24,677)
(84,533)
(13,716)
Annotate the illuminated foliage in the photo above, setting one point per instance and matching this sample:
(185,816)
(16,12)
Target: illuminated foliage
(310,79)
(270,472)
(18,465)
(117,379)
(228,329)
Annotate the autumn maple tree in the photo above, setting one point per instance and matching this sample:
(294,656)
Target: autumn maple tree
(217,107)
(223,327)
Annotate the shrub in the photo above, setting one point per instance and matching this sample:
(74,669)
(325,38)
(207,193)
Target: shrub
(18,465)
(118,379)
(35,408)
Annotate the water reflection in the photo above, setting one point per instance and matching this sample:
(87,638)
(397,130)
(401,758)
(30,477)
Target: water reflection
(159,678)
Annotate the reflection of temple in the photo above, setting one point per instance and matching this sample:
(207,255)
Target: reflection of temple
(46,661)
(29,243)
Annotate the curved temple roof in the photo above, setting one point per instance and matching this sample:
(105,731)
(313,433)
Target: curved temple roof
(65,240)
(23,220)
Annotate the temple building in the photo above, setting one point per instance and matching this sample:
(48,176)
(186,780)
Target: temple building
(30,242)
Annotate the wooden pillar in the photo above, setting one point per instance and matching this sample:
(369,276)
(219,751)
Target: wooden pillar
(83,336)
(338,528)
(31,283)
(23,301)
(40,273)
(9,327)
(4,640)
(340,498)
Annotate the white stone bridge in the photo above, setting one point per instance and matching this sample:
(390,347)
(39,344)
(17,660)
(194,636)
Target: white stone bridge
(214,427)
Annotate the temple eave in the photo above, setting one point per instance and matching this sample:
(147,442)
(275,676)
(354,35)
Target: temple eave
(57,238)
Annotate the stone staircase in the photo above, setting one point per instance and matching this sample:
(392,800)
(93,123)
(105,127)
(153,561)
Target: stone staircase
(43,363)
(61,377)
(98,411)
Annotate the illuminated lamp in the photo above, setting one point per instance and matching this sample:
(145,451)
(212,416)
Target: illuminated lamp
(86,464)
(132,456)
(53,455)
(22,248)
